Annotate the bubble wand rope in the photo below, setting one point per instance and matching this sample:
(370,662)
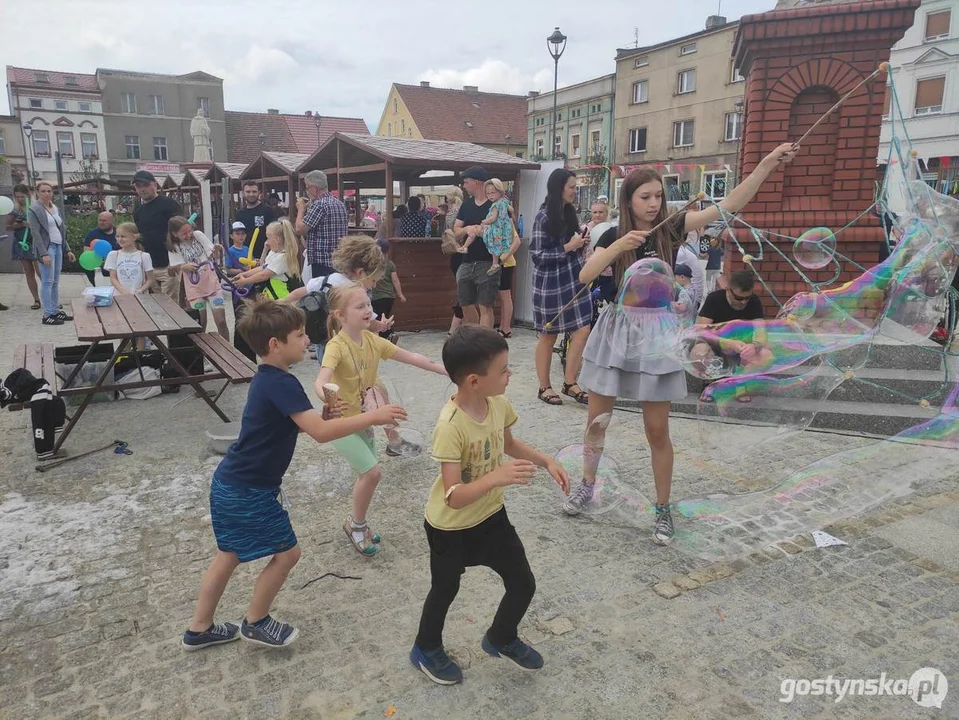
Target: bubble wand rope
(883,67)
(701,196)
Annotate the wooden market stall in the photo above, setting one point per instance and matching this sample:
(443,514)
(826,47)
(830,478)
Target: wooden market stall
(358,162)
(276,172)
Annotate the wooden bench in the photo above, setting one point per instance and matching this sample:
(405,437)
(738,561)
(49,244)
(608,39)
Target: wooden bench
(37,359)
(235,366)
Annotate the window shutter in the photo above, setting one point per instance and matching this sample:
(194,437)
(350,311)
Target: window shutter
(929,92)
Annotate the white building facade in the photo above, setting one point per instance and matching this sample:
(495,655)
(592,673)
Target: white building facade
(925,74)
(64,113)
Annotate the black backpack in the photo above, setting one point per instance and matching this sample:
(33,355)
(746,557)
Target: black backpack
(317,308)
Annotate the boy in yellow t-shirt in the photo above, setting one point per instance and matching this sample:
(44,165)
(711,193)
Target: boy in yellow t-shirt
(466,522)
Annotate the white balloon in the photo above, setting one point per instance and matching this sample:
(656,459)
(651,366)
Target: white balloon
(6,205)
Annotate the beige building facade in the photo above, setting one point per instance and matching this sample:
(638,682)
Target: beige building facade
(679,110)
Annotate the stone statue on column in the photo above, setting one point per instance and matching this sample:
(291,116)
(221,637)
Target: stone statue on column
(200,130)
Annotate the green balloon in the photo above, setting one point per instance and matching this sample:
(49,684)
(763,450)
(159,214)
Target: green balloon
(89,260)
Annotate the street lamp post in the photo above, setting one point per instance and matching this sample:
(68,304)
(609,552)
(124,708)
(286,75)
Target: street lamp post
(739,138)
(28,151)
(317,120)
(556,43)
(262,172)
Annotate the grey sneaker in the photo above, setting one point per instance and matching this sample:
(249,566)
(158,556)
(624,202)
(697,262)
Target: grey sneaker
(218,634)
(269,632)
(663,532)
(579,498)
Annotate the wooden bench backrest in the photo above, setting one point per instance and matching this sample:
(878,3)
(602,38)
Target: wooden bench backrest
(37,359)
(226,358)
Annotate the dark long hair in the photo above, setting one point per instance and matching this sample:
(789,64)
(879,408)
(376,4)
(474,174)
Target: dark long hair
(562,221)
(664,237)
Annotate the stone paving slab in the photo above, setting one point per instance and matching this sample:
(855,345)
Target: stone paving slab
(100,560)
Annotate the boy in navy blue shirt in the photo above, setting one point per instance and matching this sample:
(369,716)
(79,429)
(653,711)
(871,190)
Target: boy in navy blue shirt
(237,250)
(248,520)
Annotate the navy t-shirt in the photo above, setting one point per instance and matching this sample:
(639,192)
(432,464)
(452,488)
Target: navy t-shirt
(262,453)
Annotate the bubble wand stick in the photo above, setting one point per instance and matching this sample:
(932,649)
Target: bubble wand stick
(699,197)
(883,67)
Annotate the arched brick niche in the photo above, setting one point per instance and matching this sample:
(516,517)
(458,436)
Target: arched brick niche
(797,64)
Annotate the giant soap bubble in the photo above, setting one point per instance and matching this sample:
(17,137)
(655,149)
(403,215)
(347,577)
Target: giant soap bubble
(815,248)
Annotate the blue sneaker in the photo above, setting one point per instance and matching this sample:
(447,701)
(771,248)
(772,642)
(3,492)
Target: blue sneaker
(517,651)
(269,632)
(436,665)
(218,634)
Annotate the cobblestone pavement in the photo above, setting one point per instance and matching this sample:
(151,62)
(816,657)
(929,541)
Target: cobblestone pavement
(100,560)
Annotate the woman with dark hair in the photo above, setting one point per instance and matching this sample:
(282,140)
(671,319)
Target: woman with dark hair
(608,371)
(556,248)
(415,223)
(23,248)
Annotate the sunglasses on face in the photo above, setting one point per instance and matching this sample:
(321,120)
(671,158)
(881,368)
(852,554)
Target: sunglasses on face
(740,298)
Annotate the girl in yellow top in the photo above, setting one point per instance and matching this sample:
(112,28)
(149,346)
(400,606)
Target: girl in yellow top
(351,360)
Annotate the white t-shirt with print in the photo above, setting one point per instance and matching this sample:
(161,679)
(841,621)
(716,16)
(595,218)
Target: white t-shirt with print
(131,267)
(199,250)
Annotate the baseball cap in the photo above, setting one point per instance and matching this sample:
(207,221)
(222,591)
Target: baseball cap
(683,270)
(142,177)
(475,173)
(238,226)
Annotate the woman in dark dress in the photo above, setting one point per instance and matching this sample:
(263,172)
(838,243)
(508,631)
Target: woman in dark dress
(23,249)
(557,250)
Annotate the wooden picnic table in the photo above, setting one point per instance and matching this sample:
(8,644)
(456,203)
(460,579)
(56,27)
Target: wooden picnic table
(132,317)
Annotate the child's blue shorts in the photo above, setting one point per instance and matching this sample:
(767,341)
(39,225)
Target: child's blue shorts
(248,521)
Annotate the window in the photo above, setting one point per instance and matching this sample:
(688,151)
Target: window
(687,82)
(640,92)
(469,124)
(60,104)
(41,143)
(128,103)
(557,142)
(396,106)
(132,143)
(594,141)
(41,77)
(671,187)
(683,133)
(409,132)
(539,147)
(36,103)
(641,61)
(937,25)
(886,103)
(402,126)
(88,145)
(3,145)
(734,126)
(714,184)
(734,76)
(65,144)
(519,155)
(687,49)
(203,103)
(389,129)
(84,107)
(574,145)
(159,148)
(637,140)
(156,105)
(929,95)
(70,80)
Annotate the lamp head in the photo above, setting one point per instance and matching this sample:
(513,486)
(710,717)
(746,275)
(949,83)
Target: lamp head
(556,43)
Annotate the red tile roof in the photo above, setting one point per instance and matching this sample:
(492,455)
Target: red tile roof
(443,114)
(26,77)
(282,133)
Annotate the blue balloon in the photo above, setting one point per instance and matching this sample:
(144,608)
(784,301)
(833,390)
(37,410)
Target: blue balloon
(102,248)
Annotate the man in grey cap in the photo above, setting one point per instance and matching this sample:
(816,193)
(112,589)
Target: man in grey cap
(152,219)
(475,288)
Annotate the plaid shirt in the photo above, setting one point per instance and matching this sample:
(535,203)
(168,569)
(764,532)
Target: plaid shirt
(326,220)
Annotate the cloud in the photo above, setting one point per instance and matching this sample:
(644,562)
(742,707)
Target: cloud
(490,76)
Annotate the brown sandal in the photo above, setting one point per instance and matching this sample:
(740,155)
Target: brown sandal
(580,396)
(553,399)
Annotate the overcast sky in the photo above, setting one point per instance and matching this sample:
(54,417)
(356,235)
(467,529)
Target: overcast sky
(339,58)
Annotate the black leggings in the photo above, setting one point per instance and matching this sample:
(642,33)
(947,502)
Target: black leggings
(493,544)
(455,262)
(383,306)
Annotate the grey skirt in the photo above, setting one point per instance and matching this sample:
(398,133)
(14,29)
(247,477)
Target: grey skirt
(624,359)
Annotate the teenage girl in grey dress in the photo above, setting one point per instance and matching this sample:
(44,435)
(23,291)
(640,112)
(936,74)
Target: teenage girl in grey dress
(607,371)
